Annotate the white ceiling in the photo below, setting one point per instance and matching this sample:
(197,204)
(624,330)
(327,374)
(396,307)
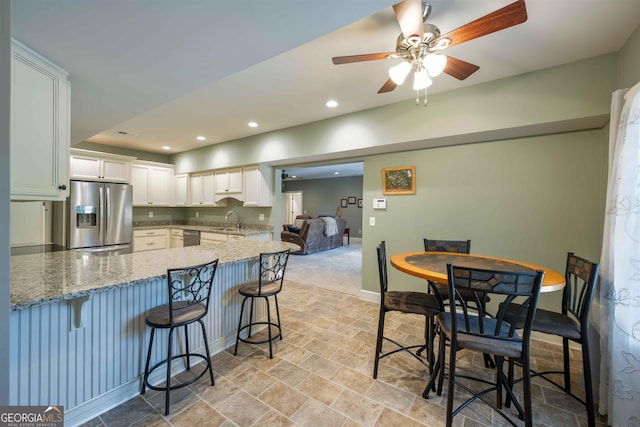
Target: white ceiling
(166,71)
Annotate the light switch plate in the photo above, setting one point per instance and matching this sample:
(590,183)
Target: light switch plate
(150,214)
(372,221)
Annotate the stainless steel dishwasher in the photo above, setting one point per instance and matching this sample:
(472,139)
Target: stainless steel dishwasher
(191,237)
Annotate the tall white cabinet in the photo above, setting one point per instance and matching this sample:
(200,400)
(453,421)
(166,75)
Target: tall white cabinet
(39,127)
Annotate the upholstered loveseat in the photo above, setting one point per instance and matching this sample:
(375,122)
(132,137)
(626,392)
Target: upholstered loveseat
(313,237)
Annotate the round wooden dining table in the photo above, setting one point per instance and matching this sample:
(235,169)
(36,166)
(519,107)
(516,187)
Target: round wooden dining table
(433,266)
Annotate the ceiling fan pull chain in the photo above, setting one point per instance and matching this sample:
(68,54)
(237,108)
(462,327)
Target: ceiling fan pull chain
(417,97)
(425,96)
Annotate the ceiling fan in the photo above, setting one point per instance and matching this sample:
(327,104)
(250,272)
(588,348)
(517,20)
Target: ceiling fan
(420,44)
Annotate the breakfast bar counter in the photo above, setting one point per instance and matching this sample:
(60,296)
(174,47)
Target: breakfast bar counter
(77,331)
(53,276)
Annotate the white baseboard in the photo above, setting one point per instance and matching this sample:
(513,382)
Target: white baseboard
(370,296)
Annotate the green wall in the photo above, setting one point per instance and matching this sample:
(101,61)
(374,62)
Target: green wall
(531,199)
(322,196)
(629,61)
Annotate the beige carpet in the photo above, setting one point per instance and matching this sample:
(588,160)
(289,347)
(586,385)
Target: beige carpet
(338,269)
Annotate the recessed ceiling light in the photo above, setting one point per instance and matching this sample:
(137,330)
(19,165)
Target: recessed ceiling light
(332,103)
(166,147)
(253,124)
(200,138)
(336,173)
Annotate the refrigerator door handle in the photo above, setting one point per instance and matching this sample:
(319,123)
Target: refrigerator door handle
(107,214)
(102,215)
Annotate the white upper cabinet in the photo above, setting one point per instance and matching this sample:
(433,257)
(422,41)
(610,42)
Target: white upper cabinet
(39,127)
(151,183)
(181,189)
(229,183)
(203,190)
(95,166)
(257,185)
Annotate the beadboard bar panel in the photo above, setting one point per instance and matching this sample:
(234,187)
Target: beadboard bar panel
(53,363)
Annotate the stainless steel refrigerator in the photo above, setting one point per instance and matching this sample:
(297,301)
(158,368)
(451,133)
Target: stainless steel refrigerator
(99,214)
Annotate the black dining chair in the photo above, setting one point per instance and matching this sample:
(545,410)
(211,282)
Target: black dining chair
(189,290)
(410,302)
(268,284)
(473,329)
(452,246)
(571,324)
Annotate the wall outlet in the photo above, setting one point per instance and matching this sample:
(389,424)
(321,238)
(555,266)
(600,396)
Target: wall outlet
(150,214)
(197,214)
(372,221)
(260,217)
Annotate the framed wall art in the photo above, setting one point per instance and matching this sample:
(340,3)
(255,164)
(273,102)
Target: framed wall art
(400,180)
(343,203)
(352,200)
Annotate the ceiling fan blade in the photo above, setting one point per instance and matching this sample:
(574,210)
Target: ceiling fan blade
(508,16)
(459,69)
(388,86)
(409,16)
(337,60)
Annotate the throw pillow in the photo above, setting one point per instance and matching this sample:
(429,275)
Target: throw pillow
(293,229)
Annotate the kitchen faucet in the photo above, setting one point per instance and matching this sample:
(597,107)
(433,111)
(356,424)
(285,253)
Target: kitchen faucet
(226,217)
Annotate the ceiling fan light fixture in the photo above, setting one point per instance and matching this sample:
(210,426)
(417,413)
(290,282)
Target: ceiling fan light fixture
(435,64)
(398,73)
(421,79)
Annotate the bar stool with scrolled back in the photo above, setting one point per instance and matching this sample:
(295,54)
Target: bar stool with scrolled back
(189,291)
(269,284)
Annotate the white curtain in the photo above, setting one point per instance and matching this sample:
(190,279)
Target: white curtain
(616,314)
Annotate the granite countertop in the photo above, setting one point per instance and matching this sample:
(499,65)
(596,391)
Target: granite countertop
(53,276)
(208,228)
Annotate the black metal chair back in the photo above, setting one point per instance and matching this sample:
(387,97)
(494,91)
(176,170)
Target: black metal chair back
(456,246)
(580,283)
(382,268)
(479,283)
(190,286)
(272,268)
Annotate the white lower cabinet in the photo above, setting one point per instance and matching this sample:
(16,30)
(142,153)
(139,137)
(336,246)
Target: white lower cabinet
(207,237)
(150,239)
(177,240)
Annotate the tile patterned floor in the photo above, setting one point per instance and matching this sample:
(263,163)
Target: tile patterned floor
(321,375)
